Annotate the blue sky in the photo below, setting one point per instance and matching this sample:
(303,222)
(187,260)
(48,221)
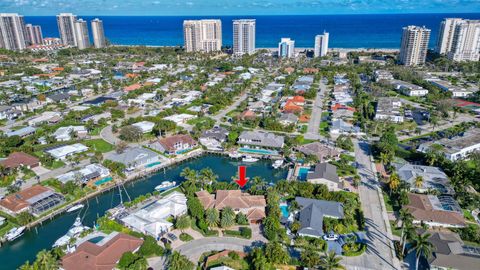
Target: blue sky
(235,7)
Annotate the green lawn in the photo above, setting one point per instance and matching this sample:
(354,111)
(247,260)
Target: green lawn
(388,203)
(96,130)
(395,231)
(99,145)
(6,227)
(468,215)
(56,164)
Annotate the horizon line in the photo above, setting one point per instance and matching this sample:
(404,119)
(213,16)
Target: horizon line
(244,15)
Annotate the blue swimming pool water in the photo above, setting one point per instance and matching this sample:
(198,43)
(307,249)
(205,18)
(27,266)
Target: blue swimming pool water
(103,181)
(302,173)
(152,164)
(258,151)
(284,209)
(96,239)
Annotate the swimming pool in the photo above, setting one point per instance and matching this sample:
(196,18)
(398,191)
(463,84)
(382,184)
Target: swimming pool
(96,240)
(258,151)
(302,173)
(152,164)
(179,152)
(284,209)
(103,181)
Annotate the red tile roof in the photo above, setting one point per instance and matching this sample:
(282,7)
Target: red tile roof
(421,209)
(18,159)
(132,87)
(18,201)
(169,142)
(94,257)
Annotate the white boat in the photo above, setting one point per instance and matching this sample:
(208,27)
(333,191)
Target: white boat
(62,241)
(75,207)
(165,185)
(249,159)
(235,155)
(277,163)
(14,233)
(74,231)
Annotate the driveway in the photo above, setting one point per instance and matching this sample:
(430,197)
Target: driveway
(218,117)
(195,248)
(316,116)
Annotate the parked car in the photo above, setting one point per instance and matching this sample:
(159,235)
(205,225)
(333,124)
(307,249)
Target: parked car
(331,236)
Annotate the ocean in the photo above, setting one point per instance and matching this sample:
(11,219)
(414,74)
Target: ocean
(346,31)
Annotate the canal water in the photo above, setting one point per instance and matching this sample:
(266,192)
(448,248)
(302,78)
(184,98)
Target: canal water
(14,254)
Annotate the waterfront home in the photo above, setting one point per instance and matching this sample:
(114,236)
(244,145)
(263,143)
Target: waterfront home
(312,213)
(450,252)
(134,158)
(326,174)
(458,147)
(99,101)
(89,173)
(435,211)
(101,255)
(22,132)
(260,138)
(144,126)
(153,219)
(62,152)
(433,178)
(409,89)
(389,109)
(318,149)
(35,199)
(253,206)
(65,133)
(59,97)
(176,144)
(213,138)
(20,159)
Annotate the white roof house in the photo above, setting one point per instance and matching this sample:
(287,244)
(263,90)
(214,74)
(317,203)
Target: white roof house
(44,117)
(180,118)
(63,152)
(64,133)
(89,172)
(144,126)
(152,219)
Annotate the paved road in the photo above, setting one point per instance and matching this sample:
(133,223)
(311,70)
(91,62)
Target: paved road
(380,253)
(316,116)
(218,117)
(195,248)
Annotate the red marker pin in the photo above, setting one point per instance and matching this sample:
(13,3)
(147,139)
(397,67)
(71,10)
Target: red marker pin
(242,173)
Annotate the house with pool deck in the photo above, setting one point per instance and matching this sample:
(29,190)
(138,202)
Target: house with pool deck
(261,139)
(134,158)
(312,213)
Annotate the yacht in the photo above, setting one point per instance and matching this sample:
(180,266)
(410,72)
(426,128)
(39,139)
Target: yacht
(277,163)
(249,159)
(165,185)
(74,231)
(14,233)
(75,208)
(235,155)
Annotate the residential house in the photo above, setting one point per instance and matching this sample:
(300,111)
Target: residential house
(20,159)
(153,219)
(458,147)
(64,151)
(312,213)
(43,118)
(176,144)
(89,173)
(339,127)
(326,174)
(65,133)
(389,109)
(59,97)
(435,211)
(35,199)
(433,178)
(260,138)
(287,119)
(382,75)
(9,113)
(213,138)
(134,158)
(22,132)
(144,126)
(320,150)
(456,91)
(103,254)
(253,206)
(409,89)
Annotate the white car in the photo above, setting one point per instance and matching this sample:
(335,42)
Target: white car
(330,237)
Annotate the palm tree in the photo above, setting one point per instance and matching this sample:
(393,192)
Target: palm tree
(211,217)
(422,247)
(418,181)
(228,217)
(207,177)
(182,222)
(330,261)
(393,182)
(45,260)
(179,262)
(406,218)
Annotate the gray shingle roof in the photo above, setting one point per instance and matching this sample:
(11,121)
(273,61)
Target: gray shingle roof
(312,213)
(325,171)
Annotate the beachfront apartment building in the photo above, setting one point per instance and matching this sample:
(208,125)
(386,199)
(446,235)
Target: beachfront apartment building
(98,33)
(34,34)
(414,45)
(321,45)
(202,35)
(66,28)
(459,39)
(286,48)
(244,36)
(12,31)
(81,34)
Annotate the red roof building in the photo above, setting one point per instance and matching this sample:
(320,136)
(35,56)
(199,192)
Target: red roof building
(132,87)
(19,159)
(103,255)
